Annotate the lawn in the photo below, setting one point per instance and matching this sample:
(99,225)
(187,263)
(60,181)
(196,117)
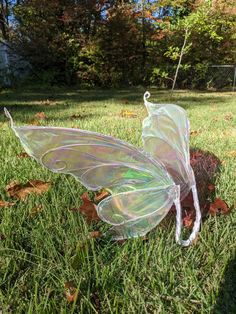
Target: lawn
(40,253)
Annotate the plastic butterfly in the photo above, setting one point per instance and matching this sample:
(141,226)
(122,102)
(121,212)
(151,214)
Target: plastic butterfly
(143,184)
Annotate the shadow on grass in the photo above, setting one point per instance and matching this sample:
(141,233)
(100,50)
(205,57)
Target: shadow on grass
(133,96)
(226,302)
(70,95)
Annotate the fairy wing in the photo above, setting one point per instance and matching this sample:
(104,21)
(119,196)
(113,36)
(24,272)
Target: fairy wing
(94,159)
(165,136)
(140,185)
(134,213)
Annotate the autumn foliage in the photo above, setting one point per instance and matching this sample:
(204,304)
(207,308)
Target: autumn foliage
(113,43)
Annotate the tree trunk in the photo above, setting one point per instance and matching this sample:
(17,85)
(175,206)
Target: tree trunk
(180,58)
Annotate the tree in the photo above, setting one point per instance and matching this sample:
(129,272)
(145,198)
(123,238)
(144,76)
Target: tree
(4,19)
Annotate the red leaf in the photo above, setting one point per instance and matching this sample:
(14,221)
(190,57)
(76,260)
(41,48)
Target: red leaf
(219,207)
(23,155)
(95,234)
(189,218)
(211,187)
(88,208)
(40,115)
(71,292)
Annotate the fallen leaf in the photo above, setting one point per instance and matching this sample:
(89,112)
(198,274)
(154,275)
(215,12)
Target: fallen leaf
(99,196)
(74,209)
(2,237)
(75,116)
(36,210)
(21,191)
(121,242)
(232,154)
(95,234)
(219,207)
(211,187)
(124,101)
(40,115)
(228,116)
(96,301)
(128,114)
(71,292)
(4,204)
(35,122)
(195,132)
(88,208)
(189,218)
(22,155)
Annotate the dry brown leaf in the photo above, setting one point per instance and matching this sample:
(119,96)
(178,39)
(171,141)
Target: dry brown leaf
(96,301)
(75,116)
(4,204)
(70,291)
(121,242)
(22,155)
(2,237)
(124,101)
(21,191)
(228,116)
(95,234)
(74,209)
(35,122)
(99,196)
(232,154)
(40,115)
(211,187)
(88,208)
(219,207)
(195,132)
(128,114)
(36,210)
(188,219)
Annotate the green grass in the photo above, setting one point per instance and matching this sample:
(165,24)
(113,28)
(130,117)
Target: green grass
(39,254)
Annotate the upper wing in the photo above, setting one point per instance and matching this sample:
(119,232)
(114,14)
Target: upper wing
(166,137)
(94,159)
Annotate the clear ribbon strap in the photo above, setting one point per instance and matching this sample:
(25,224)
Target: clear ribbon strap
(197,223)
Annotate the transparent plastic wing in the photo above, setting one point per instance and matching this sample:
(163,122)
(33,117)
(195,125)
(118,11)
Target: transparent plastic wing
(94,159)
(142,189)
(165,136)
(135,213)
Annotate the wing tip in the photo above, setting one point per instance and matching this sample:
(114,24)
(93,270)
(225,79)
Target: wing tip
(8,115)
(146,96)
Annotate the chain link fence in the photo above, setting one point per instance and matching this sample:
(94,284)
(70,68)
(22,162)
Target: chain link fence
(221,76)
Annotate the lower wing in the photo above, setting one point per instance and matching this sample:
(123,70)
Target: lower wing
(135,213)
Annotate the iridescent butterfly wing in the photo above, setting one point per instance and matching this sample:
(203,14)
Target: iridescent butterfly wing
(142,190)
(165,136)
